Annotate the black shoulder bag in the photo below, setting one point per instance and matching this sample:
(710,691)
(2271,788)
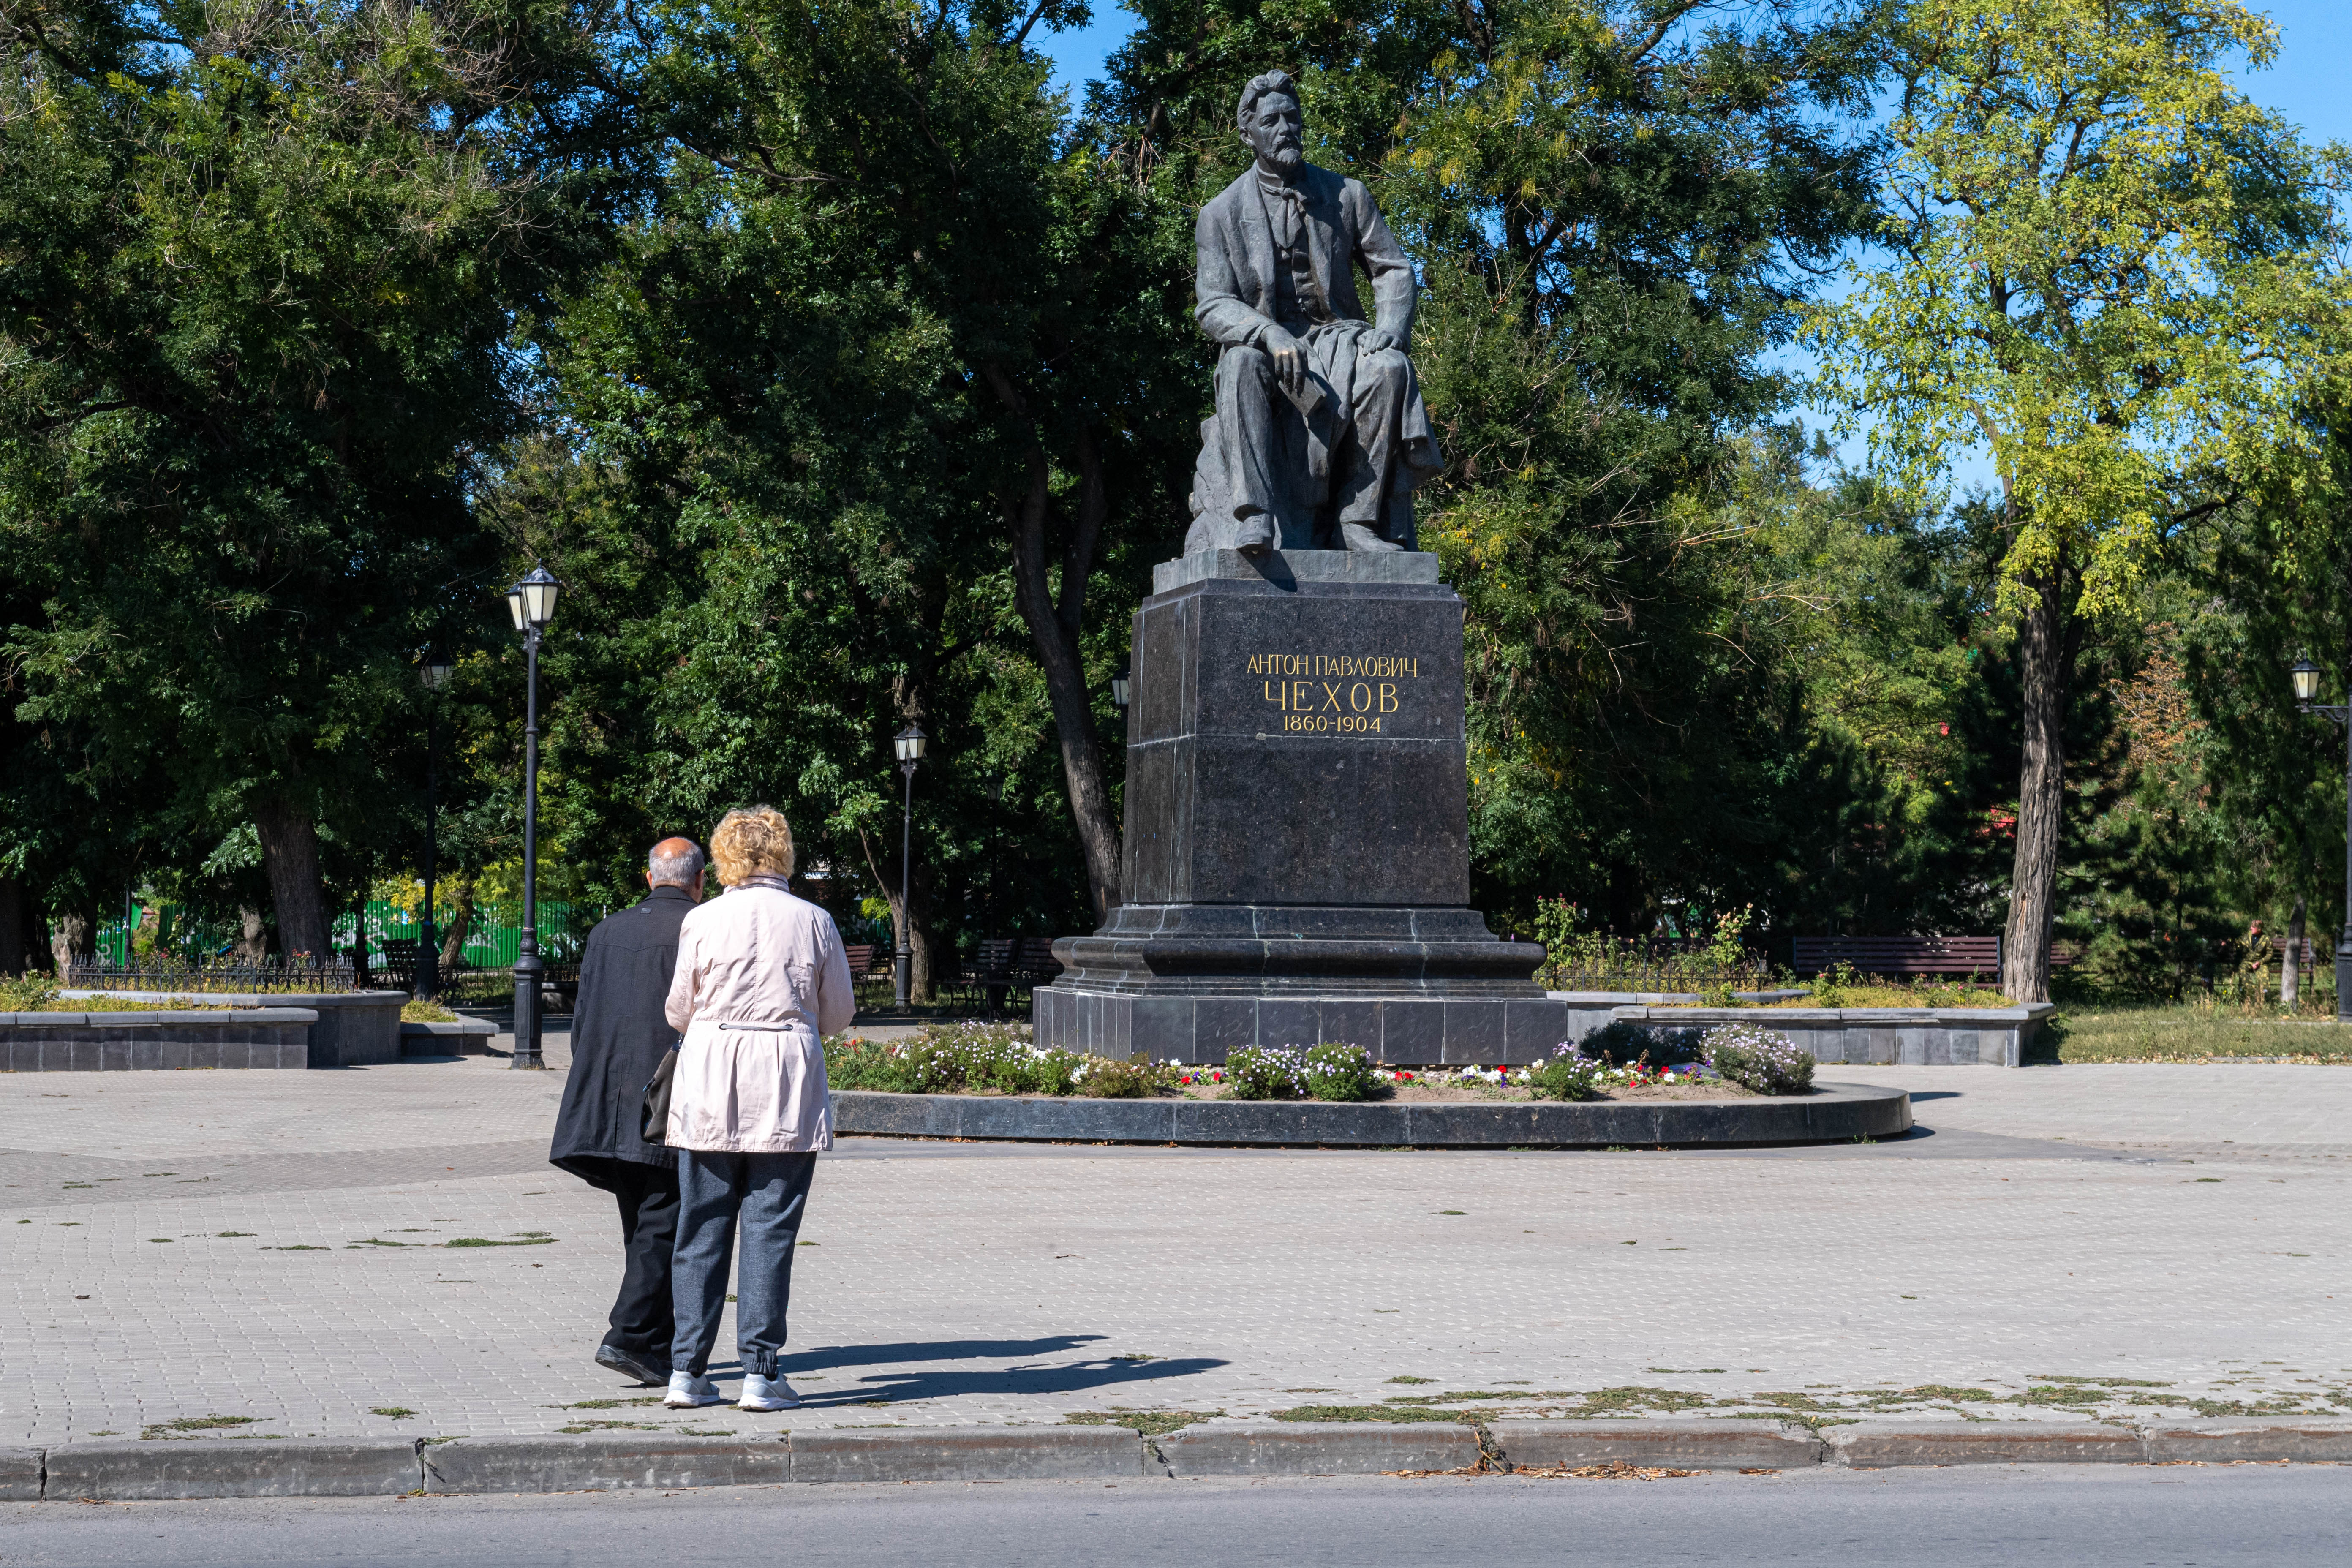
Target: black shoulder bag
(653,1122)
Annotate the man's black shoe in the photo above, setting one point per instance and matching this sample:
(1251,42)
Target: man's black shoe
(636,1366)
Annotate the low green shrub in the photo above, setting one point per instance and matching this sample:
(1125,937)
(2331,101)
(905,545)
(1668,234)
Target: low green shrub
(1758,1059)
(972,1057)
(1267,1072)
(1344,1072)
(29,992)
(1624,1041)
(1107,1078)
(1567,1074)
(1327,1070)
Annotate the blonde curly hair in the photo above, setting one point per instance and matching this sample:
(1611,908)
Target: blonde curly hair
(750,842)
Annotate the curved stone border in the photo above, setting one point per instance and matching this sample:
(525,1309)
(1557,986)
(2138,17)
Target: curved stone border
(1836,1113)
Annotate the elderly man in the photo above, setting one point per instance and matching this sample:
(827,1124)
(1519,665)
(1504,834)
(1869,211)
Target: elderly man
(1319,435)
(618,1038)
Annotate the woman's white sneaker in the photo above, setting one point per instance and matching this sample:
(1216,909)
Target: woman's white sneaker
(766,1394)
(688,1392)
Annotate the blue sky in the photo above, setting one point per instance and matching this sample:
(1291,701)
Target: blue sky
(2308,84)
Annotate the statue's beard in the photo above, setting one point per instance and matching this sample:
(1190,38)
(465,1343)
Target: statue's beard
(1285,155)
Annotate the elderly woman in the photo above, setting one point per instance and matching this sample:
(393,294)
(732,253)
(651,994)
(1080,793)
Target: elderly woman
(761,980)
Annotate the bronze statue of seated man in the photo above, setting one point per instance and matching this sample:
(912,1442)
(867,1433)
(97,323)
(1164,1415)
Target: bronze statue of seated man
(1319,435)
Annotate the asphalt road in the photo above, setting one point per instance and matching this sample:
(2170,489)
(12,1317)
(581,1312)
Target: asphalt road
(2082,1516)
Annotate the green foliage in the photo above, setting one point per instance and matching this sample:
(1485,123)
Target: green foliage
(29,992)
(1622,1042)
(972,1058)
(1565,1075)
(257,317)
(1341,1072)
(1265,1072)
(2109,265)
(1757,1059)
(1831,987)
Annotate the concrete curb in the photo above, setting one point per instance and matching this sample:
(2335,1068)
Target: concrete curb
(2256,1442)
(970,1453)
(1836,1113)
(1319,1449)
(20,1474)
(135,1471)
(1885,1444)
(603,1461)
(1673,1445)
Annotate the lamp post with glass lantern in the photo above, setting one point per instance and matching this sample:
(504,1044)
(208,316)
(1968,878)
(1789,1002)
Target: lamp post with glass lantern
(909,743)
(531,602)
(435,673)
(1119,683)
(2305,676)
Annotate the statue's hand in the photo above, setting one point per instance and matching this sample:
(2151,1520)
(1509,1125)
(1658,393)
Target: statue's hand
(1374,341)
(1289,356)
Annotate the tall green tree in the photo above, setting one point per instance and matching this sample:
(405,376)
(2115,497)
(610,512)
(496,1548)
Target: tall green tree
(260,268)
(873,401)
(2106,265)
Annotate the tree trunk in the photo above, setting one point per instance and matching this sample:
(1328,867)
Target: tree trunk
(11,926)
(461,922)
(73,939)
(2041,793)
(289,853)
(252,936)
(1053,630)
(2291,972)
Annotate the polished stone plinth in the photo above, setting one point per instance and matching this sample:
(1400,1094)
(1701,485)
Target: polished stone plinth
(1297,863)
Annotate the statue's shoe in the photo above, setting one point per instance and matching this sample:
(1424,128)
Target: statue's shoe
(1356,536)
(1254,533)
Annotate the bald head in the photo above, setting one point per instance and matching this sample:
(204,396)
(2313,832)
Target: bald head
(675,863)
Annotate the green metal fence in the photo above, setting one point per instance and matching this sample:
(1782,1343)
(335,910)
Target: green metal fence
(491,942)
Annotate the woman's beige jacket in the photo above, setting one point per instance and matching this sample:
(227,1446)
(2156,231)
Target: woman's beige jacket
(760,981)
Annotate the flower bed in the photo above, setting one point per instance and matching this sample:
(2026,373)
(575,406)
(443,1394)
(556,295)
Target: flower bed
(1003,1059)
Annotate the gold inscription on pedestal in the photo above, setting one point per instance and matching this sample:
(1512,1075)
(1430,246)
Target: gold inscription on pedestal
(1334,694)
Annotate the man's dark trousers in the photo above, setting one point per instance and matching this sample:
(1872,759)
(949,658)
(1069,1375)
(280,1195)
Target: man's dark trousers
(641,1313)
(618,1038)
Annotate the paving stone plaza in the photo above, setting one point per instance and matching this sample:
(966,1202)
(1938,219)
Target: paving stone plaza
(276,1249)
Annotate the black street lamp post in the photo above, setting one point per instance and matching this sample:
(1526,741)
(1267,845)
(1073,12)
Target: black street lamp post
(2305,676)
(909,743)
(426,982)
(531,602)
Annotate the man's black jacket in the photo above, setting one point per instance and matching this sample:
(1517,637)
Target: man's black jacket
(618,1036)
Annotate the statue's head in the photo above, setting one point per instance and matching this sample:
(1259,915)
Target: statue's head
(1270,121)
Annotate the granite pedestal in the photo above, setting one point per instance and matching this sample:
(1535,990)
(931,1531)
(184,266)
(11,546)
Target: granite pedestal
(1297,863)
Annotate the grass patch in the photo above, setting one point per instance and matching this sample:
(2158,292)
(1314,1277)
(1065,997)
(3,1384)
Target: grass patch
(185,1424)
(298,1246)
(415,1012)
(395,1412)
(2287,1404)
(1150,1422)
(578,1427)
(1634,1397)
(481,1241)
(1371,1413)
(2108,1033)
(616,1404)
(1413,1380)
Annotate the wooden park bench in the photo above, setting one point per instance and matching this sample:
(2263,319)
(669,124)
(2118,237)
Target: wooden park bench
(1900,954)
(1001,965)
